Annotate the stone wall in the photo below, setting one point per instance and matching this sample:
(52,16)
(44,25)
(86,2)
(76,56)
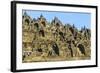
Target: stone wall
(44,41)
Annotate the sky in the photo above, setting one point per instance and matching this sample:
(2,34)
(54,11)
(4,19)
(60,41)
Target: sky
(78,19)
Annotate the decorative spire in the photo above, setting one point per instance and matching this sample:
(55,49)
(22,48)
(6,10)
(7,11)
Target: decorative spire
(41,16)
(84,28)
(25,13)
(73,26)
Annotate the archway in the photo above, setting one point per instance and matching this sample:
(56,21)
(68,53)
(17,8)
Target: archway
(27,21)
(81,49)
(55,49)
(72,30)
(43,23)
(36,26)
(57,24)
(41,32)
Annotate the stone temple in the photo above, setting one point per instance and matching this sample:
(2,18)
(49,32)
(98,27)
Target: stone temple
(44,41)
